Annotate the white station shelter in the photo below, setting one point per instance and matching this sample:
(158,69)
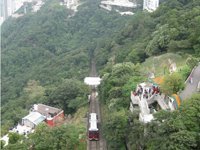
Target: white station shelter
(92,81)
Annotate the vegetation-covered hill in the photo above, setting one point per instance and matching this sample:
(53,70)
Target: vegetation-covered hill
(46,48)
(174,29)
(46,55)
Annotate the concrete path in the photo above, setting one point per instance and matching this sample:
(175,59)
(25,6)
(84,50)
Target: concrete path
(191,88)
(144,106)
(160,100)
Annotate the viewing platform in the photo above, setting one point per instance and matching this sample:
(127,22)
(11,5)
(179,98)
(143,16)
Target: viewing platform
(148,99)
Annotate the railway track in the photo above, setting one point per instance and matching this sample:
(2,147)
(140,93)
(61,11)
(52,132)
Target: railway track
(94,145)
(94,107)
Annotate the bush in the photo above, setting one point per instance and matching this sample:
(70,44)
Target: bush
(191,62)
(2,144)
(172,84)
(14,138)
(185,71)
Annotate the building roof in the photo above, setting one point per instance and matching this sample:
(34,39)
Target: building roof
(121,3)
(92,80)
(46,110)
(35,117)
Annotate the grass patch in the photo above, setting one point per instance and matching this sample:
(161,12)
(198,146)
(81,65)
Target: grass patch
(159,65)
(80,115)
(80,119)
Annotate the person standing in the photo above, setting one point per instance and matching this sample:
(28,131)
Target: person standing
(191,80)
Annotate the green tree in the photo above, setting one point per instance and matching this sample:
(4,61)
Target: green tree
(16,146)
(115,128)
(172,84)
(115,85)
(160,39)
(2,144)
(136,136)
(185,71)
(69,95)
(65,137)
(132,84)
(176,130)
(191,62)
(14,138)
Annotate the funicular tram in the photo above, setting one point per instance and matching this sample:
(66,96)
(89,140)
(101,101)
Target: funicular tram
(93,132)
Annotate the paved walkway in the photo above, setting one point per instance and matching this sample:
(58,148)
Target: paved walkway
(160,100)
(191,88)
(144,106)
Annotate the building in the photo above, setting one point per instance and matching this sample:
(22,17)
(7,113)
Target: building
(140,101)
(150,5)
(33,119)
(147,99)
(53,115)
(38,113)
(124,7)
(9,7)
(71,4)
(28,123)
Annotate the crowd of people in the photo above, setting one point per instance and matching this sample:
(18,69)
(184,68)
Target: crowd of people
(146,92)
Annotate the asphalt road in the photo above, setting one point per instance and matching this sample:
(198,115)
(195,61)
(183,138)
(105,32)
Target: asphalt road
(191,88)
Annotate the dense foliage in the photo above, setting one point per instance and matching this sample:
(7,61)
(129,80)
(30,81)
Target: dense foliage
(66,137)
(46,55)
(115,90)
(172,28)
(172,84)
(176,130)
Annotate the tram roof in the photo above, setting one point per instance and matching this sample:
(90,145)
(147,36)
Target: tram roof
(93,116)
(93,126)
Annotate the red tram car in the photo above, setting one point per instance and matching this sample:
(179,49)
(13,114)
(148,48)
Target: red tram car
(93,133)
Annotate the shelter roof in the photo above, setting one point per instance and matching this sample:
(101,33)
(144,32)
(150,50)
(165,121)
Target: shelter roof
(35,117)
(92,80)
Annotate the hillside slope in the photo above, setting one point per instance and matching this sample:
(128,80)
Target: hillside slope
(48,47)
